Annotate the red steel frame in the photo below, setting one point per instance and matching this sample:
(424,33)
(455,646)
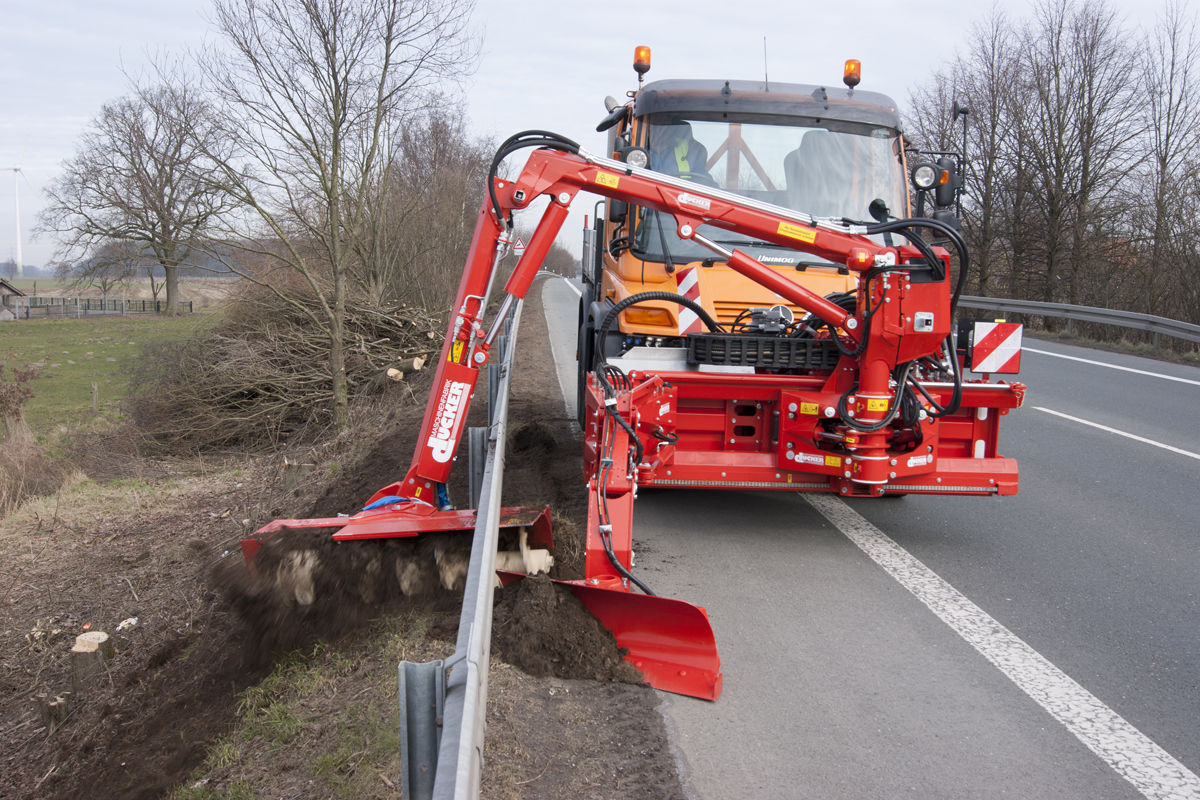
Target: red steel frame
(715,430)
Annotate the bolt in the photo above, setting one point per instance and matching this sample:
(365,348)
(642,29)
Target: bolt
(847,473)
(939,480)
(891,474)
(722,474)
(851,324)
(792,406)
(480,358)
(893,464)
(791,445)
(843,490)
(685,231)
(829,412)
(564,198)
(519,195)
(789,455)
(777,475)
(791,415)
(991,480)
(731,441)
(928,448)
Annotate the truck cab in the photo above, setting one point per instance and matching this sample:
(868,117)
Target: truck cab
(829,152)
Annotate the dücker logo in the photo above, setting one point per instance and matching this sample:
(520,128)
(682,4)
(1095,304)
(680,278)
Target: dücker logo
(446,421)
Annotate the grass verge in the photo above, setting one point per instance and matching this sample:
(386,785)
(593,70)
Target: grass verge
(324,722)
(70,354)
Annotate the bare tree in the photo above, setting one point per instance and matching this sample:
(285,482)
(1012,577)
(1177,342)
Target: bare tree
(141,179)
(1171,92)
(314,93)
(112,264)
(420,229)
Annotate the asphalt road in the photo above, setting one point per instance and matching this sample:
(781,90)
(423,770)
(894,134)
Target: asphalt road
(841,682)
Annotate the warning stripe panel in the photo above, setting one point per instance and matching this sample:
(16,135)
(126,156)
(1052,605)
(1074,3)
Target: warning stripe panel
(689,287)
(997,347)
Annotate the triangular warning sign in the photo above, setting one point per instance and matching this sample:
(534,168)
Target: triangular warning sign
(520,245)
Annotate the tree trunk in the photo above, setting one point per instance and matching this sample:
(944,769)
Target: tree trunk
(172,281)
(337,365)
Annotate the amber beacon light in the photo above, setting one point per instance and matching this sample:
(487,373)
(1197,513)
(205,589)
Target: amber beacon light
(851,76)
(641,59)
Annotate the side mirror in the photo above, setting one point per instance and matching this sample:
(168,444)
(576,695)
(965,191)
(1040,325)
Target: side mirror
(617,211)
(945,193)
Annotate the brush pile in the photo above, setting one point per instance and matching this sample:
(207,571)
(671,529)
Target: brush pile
(260,378)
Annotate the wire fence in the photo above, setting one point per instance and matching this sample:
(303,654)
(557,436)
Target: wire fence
(46,307)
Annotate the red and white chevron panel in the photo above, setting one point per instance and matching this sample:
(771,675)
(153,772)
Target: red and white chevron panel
(997,347)
(689,287)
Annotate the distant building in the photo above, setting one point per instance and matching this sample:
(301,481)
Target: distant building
(8,302)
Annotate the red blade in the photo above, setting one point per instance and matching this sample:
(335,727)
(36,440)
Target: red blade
(670,641)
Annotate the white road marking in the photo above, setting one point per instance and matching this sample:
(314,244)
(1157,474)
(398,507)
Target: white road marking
(1153,771)
(1112,366)
(571,286)
(1120,433)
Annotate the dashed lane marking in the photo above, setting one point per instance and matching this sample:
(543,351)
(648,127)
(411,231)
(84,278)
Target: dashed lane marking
(571,286)
(1111,366)
(1188,453)
(1153,771)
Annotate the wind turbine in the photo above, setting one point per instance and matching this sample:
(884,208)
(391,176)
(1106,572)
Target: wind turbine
(17,203)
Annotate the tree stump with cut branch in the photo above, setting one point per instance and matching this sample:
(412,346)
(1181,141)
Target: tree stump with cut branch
(89,659)
(53,711)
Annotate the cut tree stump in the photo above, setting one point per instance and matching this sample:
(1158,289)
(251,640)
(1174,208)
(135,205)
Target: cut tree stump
(53,711)
(294,474)
(89,659)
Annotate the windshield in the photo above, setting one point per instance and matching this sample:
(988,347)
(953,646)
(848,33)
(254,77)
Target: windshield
(827,170)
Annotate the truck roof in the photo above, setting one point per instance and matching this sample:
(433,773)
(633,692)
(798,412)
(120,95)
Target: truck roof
(758,97)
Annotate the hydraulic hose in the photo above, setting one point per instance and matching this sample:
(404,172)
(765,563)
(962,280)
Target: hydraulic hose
(518,141)
(634,299)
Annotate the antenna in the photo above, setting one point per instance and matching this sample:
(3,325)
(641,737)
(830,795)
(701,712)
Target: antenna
(766,79)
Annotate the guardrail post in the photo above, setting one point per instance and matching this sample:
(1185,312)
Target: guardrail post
(422,701)
(476,459)
(1156,335)
(494,365)
(1070,327)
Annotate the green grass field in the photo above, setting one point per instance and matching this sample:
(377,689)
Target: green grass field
(69,354)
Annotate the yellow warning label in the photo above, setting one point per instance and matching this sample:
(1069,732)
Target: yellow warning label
(877,405)
(810,408)
(605,179)
(798,232)
(833,461)
(456,351)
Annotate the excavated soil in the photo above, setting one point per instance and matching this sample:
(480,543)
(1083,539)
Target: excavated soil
(205,632)
(539,626)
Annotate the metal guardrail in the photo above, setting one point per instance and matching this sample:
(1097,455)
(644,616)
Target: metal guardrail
(442,716)
(1159,326)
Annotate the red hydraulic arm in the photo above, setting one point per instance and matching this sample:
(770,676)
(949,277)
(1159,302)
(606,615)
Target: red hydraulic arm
(561,175)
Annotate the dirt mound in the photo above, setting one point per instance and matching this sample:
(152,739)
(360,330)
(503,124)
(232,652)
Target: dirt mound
(533,436)
(539,626)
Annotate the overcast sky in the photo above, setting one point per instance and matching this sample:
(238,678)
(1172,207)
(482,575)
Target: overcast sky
(545,64)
